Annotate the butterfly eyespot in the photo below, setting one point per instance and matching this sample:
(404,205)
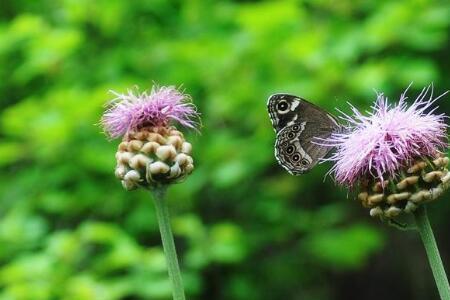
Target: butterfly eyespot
(295,157)
(290,149)
(291,135)
(296,128)
(304,162)
(282,106)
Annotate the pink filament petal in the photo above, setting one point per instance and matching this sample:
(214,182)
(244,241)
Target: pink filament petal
(389,137)
(159,108)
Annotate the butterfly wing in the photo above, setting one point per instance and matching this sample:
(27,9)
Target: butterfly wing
(299,125)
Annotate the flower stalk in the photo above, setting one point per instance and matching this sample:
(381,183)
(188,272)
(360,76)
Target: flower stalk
(162,212)
(431,248)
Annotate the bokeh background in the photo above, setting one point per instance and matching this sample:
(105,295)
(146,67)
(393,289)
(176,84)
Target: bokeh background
(244,228)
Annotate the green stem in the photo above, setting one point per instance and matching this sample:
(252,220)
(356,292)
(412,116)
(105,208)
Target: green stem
(426,233)
(162,212)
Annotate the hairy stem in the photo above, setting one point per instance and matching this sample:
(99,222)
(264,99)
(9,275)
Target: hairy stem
(426,233)
(162,212)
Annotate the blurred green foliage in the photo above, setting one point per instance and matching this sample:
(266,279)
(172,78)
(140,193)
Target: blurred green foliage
(245,229)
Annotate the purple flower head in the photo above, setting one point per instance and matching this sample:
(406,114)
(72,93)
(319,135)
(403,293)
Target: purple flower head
(390,137)
(162,106)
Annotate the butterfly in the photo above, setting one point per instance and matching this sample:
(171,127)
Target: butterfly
(297,124)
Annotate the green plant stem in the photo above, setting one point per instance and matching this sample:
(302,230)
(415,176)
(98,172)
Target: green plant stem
(162,212)
(426,233)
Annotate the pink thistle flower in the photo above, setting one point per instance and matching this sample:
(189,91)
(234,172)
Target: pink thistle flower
(388,139)
(161,107)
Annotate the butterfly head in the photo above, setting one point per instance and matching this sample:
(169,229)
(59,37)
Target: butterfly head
(282,110)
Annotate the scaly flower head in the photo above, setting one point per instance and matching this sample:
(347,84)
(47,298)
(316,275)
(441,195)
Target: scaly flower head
(394,154)
(152,152)
(160,107)
(388,138)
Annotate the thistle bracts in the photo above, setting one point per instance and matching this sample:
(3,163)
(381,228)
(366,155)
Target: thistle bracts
(153,156)
(424,181)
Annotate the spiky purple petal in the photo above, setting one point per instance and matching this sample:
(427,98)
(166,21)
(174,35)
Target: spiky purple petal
(387,139)
(134,110)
